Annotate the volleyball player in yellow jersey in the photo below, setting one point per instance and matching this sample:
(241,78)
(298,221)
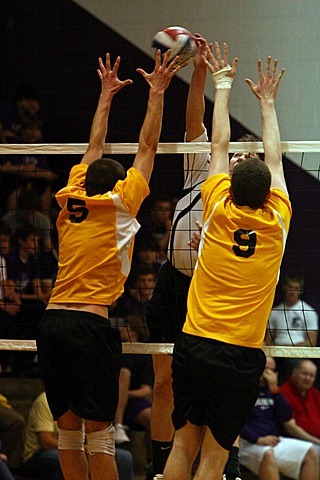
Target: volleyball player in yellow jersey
(218,361)
(79,352)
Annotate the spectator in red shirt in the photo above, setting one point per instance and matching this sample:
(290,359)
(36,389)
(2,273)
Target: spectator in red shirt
(262,450)
(304,399)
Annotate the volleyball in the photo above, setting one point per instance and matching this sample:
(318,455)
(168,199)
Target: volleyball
(179,40)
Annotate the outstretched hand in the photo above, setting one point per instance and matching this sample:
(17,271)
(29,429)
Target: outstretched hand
(110,83)
(268,84)
(221,61)
(202,49)
(163,72)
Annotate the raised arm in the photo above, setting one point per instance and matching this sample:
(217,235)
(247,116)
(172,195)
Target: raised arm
(110,85)
(222,75)
(266,91)
(195,103)
(158,81)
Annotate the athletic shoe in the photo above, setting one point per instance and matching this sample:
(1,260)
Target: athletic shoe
(121,435)
(224,477)
(159,476)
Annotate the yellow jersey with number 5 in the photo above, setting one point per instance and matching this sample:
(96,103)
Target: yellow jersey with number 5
(96,237)
(240,253)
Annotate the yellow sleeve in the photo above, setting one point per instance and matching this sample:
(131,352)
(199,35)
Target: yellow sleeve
(77,175)
(281,203)
(76,183)
(213,190)
(132,190)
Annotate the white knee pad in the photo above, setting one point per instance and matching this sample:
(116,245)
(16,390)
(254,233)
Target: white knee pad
(71,439)
(102,441)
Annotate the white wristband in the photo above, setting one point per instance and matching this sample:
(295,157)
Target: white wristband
(220,78)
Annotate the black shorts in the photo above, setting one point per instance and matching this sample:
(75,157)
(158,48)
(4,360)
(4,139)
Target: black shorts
(167,309)
(79,358)
(215,384)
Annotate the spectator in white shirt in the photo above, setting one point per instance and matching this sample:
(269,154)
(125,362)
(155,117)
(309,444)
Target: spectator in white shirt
(293,322)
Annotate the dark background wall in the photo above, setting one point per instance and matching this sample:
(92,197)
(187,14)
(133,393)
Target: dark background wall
(55,45)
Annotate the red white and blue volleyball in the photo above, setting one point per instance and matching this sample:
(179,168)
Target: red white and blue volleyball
(179,40)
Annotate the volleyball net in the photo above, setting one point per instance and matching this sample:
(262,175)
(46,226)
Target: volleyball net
(302,169)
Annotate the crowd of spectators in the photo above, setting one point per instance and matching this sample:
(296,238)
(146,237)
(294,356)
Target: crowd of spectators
(271,442)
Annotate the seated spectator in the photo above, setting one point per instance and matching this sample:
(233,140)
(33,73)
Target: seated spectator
(9,299)
(262,450)
(41,456)
(25,105)
(28,213)
(135,393)
(147,255)
(157,224)
(27,171)
(24,276)
(304,399)
(22,264)
(293,322)
(138,290)
(11,433)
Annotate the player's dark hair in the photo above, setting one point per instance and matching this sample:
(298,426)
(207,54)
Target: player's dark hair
(250,183)
(102,175)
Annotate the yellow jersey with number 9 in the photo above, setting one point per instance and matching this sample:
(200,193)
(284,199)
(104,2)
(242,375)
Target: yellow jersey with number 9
(240,253)
(96,237)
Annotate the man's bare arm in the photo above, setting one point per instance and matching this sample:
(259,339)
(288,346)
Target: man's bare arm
(223,76)
(295,431)
(110,85)
(195,102)
(158,81)
(266,91)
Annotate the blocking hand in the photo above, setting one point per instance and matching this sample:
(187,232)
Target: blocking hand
(268,83)
(110,83)
(163,72)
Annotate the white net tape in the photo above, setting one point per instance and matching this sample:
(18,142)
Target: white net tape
(167,348)
(131,148)
(163,148)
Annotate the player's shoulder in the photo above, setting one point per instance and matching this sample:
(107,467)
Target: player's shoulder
(279,197)
(78,173)
(217,182)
